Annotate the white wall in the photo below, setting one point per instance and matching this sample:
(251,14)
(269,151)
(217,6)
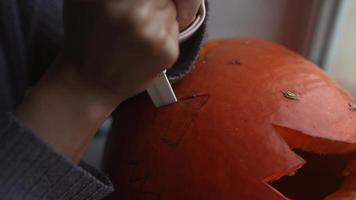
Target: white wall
(285,21)
(343,63)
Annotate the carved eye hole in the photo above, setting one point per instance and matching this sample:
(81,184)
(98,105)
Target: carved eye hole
(322,174)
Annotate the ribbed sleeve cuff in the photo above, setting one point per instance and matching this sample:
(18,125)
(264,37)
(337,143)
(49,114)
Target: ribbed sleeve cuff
(30,169)
(189,51)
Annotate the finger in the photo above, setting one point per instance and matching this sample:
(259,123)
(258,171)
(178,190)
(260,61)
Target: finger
(160,24)
(162,4)
(168,46)
(173,44)
(186,11)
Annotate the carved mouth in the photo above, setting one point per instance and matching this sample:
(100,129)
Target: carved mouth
(323,173)
(318,178)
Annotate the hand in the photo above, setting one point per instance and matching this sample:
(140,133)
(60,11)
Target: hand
(120,45)
(187,11)
(112,50)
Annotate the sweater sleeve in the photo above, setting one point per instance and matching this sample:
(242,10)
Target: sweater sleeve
(30,169)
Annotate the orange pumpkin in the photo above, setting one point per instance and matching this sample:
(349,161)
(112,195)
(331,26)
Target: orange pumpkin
(254,121)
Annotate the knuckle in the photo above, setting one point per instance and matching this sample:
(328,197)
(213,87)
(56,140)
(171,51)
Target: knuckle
(173,9)
(138,16)
(170,51)
(152,37)
(129,15)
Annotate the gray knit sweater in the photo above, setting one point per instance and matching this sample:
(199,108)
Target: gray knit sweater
(30,35)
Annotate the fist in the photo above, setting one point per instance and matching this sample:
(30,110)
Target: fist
(186,11)
(119,46)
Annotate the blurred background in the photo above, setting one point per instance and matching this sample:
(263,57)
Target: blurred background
(324,31)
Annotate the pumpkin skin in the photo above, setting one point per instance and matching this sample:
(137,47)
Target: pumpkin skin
(243,110)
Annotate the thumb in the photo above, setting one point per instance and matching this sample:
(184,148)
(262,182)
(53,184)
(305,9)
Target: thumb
(186,11)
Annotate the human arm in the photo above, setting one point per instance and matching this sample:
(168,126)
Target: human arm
(36,167)
(100,66)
